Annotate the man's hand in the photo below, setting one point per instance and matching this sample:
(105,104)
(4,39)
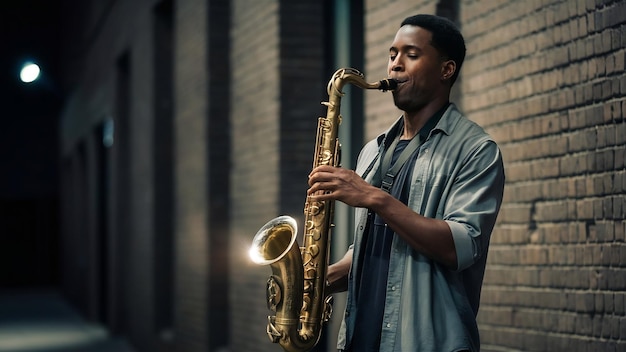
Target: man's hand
(335,183)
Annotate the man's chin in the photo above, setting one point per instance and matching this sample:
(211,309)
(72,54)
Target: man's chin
(402,104)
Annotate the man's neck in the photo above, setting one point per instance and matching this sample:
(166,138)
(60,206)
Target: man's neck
(415,120)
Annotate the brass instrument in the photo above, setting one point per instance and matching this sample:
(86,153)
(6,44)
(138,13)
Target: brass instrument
(295,291)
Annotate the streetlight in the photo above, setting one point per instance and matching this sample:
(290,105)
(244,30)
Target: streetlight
(30,72)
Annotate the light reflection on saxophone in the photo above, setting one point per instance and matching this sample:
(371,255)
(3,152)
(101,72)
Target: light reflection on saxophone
(295,290)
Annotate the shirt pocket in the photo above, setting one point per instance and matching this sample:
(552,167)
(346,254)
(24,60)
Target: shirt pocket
(435,196)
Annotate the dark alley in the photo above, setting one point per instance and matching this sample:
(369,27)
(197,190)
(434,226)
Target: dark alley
(42,321)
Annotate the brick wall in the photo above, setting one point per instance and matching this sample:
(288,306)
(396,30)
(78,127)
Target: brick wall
(255,163)
(546,78)
(191,174)
(202,157)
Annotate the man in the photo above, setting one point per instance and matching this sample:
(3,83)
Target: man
(423,217)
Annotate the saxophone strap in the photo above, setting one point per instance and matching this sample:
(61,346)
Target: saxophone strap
(389,176)
(385,162)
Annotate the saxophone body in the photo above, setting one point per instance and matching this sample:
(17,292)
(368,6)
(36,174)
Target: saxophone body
(296,288)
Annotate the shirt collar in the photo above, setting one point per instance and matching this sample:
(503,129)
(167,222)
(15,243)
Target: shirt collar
(424,132)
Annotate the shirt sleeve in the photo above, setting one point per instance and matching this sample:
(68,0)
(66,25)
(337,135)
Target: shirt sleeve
(474,203)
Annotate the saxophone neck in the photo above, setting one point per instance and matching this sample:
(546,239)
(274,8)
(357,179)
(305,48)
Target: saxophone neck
(353,76)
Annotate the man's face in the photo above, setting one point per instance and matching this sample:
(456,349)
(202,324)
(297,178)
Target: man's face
(417,65)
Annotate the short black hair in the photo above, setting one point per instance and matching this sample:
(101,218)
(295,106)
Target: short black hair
(447,38)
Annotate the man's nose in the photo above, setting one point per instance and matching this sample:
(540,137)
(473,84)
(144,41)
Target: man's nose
(396,65)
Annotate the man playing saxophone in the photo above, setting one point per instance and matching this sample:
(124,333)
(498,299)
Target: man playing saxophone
(426,194)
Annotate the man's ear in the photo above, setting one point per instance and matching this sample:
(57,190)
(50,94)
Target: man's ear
(448,68)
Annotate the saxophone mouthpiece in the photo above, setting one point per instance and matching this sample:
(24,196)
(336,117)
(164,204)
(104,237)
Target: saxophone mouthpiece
(387,84)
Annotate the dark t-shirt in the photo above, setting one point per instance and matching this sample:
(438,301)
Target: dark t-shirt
(372,283)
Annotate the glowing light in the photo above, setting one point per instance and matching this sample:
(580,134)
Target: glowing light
(29,73)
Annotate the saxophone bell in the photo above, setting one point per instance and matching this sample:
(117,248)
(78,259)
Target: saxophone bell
(273,241)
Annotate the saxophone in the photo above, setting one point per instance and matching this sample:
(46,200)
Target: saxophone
(295,290)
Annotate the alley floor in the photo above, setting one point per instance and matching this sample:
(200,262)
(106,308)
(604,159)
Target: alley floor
(42,321)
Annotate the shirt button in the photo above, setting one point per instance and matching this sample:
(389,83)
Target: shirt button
(388,325)
(393,288)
